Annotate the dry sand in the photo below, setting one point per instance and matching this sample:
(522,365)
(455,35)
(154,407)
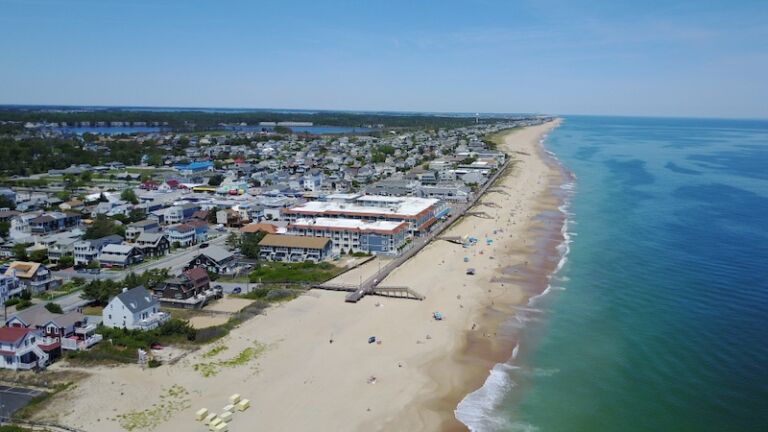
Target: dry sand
(422,368)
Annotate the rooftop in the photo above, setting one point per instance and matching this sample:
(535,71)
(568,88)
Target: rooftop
(349,224)
(370,204)
(294,241)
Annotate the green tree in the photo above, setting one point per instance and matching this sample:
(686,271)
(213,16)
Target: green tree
(215,180)
(63,195)
(54,308)
(249,243)
(20,251)
(129,195)
(5,228)
(233,240)
(66,261)
(212,215)
(103,226)
(93,264)
(40,255)
(6,202)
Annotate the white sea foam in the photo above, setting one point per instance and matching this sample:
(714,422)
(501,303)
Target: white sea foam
(476,409)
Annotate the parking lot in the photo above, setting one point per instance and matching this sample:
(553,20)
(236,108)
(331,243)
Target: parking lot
(13,399)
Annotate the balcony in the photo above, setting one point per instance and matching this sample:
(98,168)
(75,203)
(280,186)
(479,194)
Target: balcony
(153,321)
(75,344)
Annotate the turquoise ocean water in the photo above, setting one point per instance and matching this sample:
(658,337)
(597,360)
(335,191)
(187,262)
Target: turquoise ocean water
(658,319)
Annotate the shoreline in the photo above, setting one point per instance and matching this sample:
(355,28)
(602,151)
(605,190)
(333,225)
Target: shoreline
(547,256)
(472,363)
(422,367)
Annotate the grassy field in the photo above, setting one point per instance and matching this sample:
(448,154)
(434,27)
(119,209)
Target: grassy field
(306,272)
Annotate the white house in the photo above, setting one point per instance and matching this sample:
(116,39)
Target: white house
(134,308)
(19,349)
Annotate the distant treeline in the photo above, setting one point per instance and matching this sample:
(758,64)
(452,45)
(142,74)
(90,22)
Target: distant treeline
(38,155)
(205,121)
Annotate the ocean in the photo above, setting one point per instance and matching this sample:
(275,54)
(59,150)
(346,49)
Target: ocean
(658,318)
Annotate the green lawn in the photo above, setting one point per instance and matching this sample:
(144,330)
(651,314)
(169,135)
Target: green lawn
(307,272)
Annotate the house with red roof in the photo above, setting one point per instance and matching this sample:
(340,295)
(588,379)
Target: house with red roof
(20,350)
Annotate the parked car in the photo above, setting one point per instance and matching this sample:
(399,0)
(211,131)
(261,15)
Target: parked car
(203,245)
(237,290)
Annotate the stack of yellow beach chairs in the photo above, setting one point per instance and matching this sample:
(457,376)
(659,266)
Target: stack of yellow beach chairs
(220,422)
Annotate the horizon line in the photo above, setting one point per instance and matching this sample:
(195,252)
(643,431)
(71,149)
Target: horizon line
(384,111)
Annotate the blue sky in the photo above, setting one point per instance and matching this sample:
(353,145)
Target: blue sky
(687,58)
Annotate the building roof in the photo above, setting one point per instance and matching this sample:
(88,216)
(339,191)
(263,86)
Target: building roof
(13,334)
(40,316)
(116,249)
(369,205)
(137,299)
(381,227)
(23,269)
(143,223)
(182,228)
(149,237)
(216,253)
(110,239)
(256,227)
(196,273)
(293,241)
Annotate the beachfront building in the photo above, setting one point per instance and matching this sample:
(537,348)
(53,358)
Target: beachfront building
(294,248)
(134,309)
(192,289)
(354,235)
(120,256)
(19,349)
(87,250)
(419,213)
(67,331)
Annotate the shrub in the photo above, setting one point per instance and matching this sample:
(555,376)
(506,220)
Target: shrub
(12,301)
(54,308)
(23,304)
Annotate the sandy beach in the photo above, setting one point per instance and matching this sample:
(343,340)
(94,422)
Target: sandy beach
(309,365)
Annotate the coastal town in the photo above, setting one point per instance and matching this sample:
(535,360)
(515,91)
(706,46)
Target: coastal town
(120,263)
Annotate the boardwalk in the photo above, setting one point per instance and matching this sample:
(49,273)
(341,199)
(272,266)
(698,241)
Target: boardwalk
(371,286)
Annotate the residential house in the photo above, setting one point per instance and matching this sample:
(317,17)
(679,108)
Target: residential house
(33,276)
(10,287)
(68,331)
(54,222)
(182,235)
(19,349)
(180,213)
(153,244)
(135,229)
(201,229)
(215,259)
(231,217)
(88,250)
(120,255)
(190,290)
(134,309)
